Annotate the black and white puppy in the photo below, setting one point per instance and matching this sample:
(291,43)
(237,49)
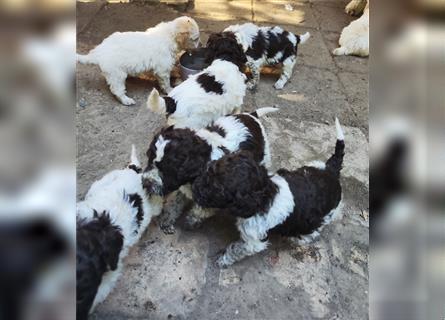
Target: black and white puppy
(177,156)
(292,203)
(115,213)
(214,92)
(267,46)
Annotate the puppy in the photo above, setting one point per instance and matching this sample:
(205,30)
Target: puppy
(354,39)
(216,91)
(177,156)
(267,46)
(131,53)
(292,203)
(115,213)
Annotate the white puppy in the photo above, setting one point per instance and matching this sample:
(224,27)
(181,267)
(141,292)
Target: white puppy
(216,91)
(354,39)
(132,53)
(115,213)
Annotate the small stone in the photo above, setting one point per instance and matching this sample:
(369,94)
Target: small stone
(82,103)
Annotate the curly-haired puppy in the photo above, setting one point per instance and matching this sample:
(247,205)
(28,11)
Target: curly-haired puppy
(216,91)
(177,156)
(267,46)
(113,216)
(131,53)
(292,203)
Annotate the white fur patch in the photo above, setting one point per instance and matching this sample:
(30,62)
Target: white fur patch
(160,145)
(256,227)
(317,164)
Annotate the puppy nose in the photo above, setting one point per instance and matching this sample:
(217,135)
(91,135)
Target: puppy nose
(149,186)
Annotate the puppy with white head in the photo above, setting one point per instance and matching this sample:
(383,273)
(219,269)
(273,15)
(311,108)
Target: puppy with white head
(125,54)
(177,156)
(115,213)
(354,39)
(216,91)
(292,203)
(267,46)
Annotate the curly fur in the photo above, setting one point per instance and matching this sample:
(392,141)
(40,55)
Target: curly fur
(292,203)
(267,46)
(354,39)
(125,54)
(224,46)
(111,219)
(228,184)
(177,156)
(216,91)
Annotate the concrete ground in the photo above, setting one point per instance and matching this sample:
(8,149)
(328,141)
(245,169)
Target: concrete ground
(174,276)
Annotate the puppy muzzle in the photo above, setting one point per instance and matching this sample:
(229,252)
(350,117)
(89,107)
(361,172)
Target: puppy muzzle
(152,183)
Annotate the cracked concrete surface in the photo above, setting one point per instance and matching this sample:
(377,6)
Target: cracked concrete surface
(174,276)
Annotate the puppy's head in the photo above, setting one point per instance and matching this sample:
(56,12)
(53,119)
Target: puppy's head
(99,244)
(175,157)
(187,33)
(237,183)
(224,46)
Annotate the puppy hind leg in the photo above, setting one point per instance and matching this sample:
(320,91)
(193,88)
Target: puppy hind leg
(116,81)
(288,67)
(255,69)
(164,82)
(173,208)
(240,249)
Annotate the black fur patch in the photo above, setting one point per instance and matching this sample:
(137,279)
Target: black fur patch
(215,128)
(255,142)
(236,183)
(135,168)
(224,46)
(270,44)
(136,201)
(258,47)
(170,105)
(209,83)
(185,156)
(316,192)
(99,244)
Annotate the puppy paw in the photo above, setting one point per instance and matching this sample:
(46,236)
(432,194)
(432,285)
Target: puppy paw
(279,85)
(221,262)
(251,85)
(168,228)
(339,52)
(354,8)
(127,101)
(191,223)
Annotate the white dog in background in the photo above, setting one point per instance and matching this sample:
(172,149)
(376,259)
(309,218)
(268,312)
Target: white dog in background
(354,39)
(132,53)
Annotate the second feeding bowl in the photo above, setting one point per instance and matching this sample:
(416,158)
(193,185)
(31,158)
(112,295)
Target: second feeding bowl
(192,62)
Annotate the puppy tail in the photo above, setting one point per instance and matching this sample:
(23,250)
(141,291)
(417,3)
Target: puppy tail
(85,58)
(303,38)
(155,102)
(335,162)
(258,113)
(134,161)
